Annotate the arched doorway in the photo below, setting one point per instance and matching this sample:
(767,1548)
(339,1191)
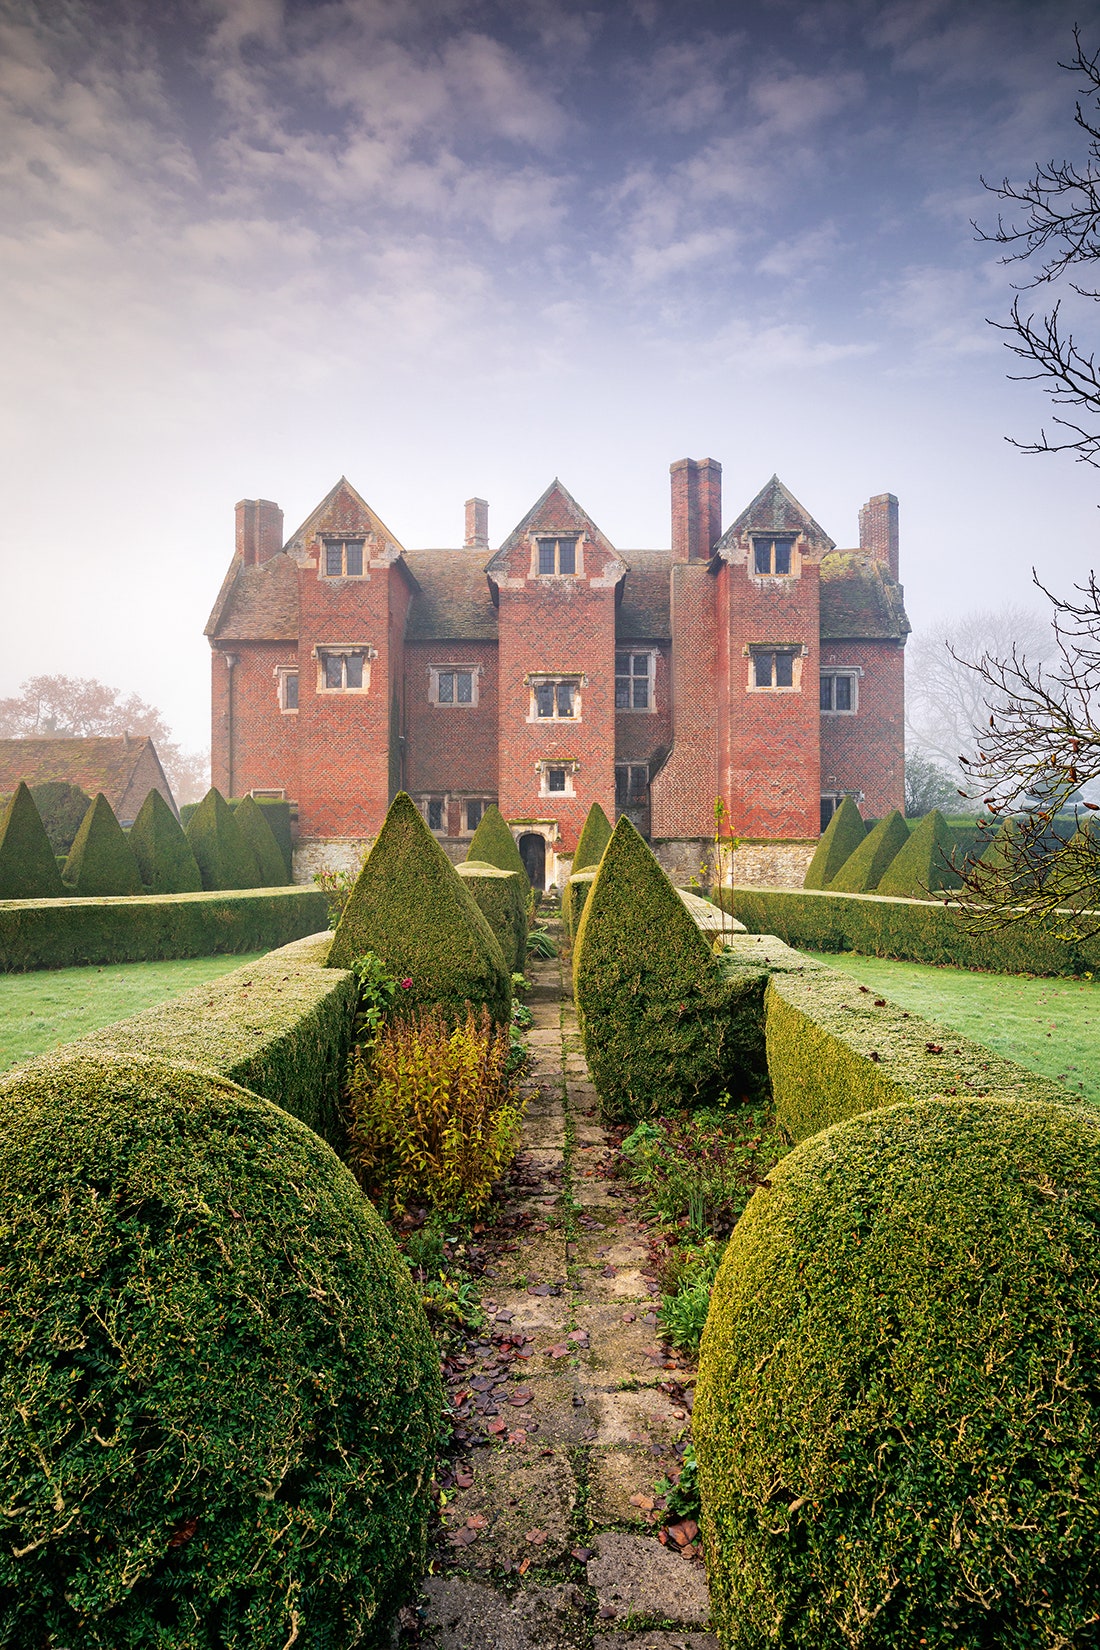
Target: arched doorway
(532,851)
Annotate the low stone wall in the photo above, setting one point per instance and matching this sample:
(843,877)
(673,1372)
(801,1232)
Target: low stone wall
(756,862)
(329,853)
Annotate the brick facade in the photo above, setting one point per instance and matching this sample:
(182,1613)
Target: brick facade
(559,671)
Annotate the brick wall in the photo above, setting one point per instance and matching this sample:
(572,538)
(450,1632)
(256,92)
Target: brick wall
(865,752)
(682,794)
(264,739)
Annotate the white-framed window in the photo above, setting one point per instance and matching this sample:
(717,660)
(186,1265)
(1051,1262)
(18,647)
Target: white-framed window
(556,557)
(631,784)
(555,698)
(453,685)
(634,673)
(839,692)
(775,667)
(344,668)
(556,776)
(773,555)
(286,687)
(342,558)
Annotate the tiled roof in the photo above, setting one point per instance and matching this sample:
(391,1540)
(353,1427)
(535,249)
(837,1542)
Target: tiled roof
(453,601)
(860,601)
(105,764)
(643,613)
(258,604)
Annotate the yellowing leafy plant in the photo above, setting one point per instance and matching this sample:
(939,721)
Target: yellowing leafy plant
(435,1116)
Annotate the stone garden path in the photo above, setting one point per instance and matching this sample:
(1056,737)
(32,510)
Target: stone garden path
(566,1408)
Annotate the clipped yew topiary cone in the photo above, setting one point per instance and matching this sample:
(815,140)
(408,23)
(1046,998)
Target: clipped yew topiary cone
(594,837)
(862,870)
(897,1387)
(28,869)
(409,907)
(501,898)
(842,836)
(922,866)
(101,862)
(162,851)
(260,838)
(494,843)
(224,858)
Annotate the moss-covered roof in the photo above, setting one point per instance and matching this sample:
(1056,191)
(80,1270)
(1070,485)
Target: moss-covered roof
(860,600)
(257,604)
(453,601)
(97,764)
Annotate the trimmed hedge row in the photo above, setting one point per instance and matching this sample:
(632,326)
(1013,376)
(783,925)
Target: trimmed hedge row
(63,933)
(913,930)
(280,1026)
(834,1050)
(501,897)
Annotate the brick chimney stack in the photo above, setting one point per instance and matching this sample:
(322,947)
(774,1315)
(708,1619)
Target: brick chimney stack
(878,530)
(696,508)
(259,530)
(477,524)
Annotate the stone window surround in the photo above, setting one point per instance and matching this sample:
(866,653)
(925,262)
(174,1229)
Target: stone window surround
(434,672)
(798,650)
(536,678)
(465,828)
(324,650)
(795,540)
(364,540)
(568,764)
(281,673)
(578,555)
(632,653)
(852,671)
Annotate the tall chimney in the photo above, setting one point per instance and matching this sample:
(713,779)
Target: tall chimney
(878,529)
(477,524)
(259,530)
(696,508)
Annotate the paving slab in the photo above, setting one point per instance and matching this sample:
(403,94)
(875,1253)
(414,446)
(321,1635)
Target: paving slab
(634,1576)
(462,1614)
(655,1639)
(520,1506)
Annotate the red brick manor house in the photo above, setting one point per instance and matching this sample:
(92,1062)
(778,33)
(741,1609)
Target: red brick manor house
(759,664)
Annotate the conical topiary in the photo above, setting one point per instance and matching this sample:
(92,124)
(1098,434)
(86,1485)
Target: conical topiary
(409,907)
(862,870)
(163,853)
(101,862)
(494,843)
(923,865)
(594,837)
(224,858)
(842,836)
(259,836)
(62,807)
(28,869)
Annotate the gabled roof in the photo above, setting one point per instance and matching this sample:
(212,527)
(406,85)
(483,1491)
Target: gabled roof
(556,508)
(106,764)
(860,599)
(355,510)
(257,604)
(452,601)
(774,510)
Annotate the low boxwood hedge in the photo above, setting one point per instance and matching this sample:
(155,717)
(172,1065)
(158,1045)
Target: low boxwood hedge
(835,1050)
(280,1026)
(914,930)
(219,1397)
(501,897)
(897,1408)
(64,933)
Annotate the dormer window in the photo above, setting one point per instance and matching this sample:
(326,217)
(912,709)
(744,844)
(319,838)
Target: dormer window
(773,556)
(557,557)
(343,558)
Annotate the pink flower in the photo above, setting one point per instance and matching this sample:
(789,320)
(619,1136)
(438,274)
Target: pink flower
(405,984)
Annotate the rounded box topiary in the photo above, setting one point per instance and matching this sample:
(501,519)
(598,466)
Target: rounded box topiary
(219,1397)
(898,1403)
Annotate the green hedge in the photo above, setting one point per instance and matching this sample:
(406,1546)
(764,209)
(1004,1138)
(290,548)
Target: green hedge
(840,838)
(224,858)
(219,1397)
(62,807)
(501,897)
(163,853)
(280,1026)
(277,814)
(28,869)
(835,1050)
(101,862)
(914,930)
(64,933)
(574,895)
(493,844)
(924,864)
(863,868)
(897,1406)
(257,833)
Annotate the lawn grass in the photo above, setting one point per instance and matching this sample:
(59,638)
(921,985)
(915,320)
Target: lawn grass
(39,1011)
(1051,1026)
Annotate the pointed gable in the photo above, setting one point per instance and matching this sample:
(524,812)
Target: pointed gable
(343,510)
(556,512)
(774,510)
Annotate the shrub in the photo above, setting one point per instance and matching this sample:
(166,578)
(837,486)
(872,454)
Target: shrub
(164,858)
(501,897)
(434,1115)
(224,858)
(897,1406)
(62,807)
(218,1389)
(577,890)
(594,837)
(863,868)
(277,814)
(665,1023)
(696,1174)
(254,828)
(101,862)
(835,1050)
(842,836)
(923,864)
(28,869)
(493,844)
(410,907)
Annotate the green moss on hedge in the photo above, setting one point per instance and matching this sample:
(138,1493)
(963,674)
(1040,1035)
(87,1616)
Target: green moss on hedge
(163,853)
(862,869)
(493,844)
(410,907)
(62,807)
(259,837)
(841,837)
(897,1407)
(835,1051)
(224,858)
(64,933)
(101,863)
(220,1395)
(28,869)
(665,1022)
(923,864)
(501,897)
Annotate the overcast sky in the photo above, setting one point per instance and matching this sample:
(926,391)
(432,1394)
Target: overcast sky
(450,248)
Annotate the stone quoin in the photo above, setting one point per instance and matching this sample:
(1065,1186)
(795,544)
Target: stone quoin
(759,664)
